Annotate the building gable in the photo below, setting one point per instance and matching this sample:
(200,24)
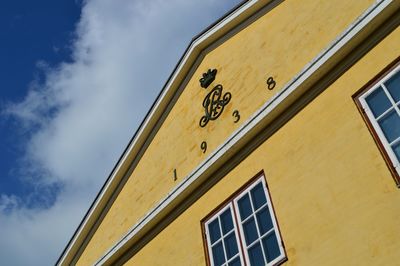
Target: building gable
(168,152)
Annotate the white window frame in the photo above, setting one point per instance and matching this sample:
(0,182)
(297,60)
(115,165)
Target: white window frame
(373,121)
(235,229)
(239,231)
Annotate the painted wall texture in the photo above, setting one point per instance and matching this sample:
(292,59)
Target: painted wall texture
(334,198)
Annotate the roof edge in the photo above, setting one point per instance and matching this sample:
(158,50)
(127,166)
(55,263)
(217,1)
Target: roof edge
(322,65)
(219,28)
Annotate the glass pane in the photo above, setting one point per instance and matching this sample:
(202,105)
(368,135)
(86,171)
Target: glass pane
(258,196)
(271,247)
(390,125)
(250,231)
(235,262)
(264,220)
(226,221)
(218,254)
(378,102)
(244,207)
(255,255)
(396,150)
(213,228)
(393,86)
(231,245)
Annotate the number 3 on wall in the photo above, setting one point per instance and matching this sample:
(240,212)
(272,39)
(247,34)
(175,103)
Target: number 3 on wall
(236,115)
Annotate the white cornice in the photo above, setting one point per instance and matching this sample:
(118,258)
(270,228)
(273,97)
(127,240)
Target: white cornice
(322,64)
(198,44)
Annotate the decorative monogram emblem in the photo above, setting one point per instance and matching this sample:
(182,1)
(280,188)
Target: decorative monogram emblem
(208,78)
(215,101)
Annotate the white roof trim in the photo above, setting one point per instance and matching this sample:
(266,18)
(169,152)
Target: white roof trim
(191,54)
(337,46)
(334,52)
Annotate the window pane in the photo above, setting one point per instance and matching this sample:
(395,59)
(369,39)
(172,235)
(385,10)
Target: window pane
(390,125)
(378,102)
(264,220)
(258,196)
(213,228)
(255,255)
(226,221)
(250,231)
(271,247)
(393,86)
(218,254)
(243,232)
(396,150)
(244,207)
(231,245)
(235,262)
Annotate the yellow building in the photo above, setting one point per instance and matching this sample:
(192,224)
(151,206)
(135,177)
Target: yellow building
(276,140)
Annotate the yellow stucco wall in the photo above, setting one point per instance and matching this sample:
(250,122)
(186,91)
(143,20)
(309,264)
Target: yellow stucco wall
(279,44)
(334,197)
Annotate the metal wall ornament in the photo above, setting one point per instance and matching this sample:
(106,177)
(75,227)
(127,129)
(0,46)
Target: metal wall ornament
(214,104)
(215,101)
(208,78)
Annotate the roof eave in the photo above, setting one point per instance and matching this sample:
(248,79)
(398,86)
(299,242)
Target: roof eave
(215,31)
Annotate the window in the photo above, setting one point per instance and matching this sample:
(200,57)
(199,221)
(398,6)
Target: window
(380,105)
(244,230)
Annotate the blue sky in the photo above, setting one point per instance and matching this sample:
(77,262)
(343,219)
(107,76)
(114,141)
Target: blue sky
(77,78)
(32,34)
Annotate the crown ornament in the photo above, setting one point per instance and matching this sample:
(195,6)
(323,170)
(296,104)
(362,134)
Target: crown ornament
(208,78)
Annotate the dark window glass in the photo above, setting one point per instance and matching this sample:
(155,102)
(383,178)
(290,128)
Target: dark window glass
(231,245)
(271,247)
(256,256)
(258,196)
(390,125)
(235,262)
(244,207)
(226,221)
(264,220)
(250,231)
(243,231)
(393,86)
(378,102)
(215,233)
(218,254)
(396,150)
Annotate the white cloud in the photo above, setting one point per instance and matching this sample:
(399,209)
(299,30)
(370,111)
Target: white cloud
(85,112)
(8,203)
